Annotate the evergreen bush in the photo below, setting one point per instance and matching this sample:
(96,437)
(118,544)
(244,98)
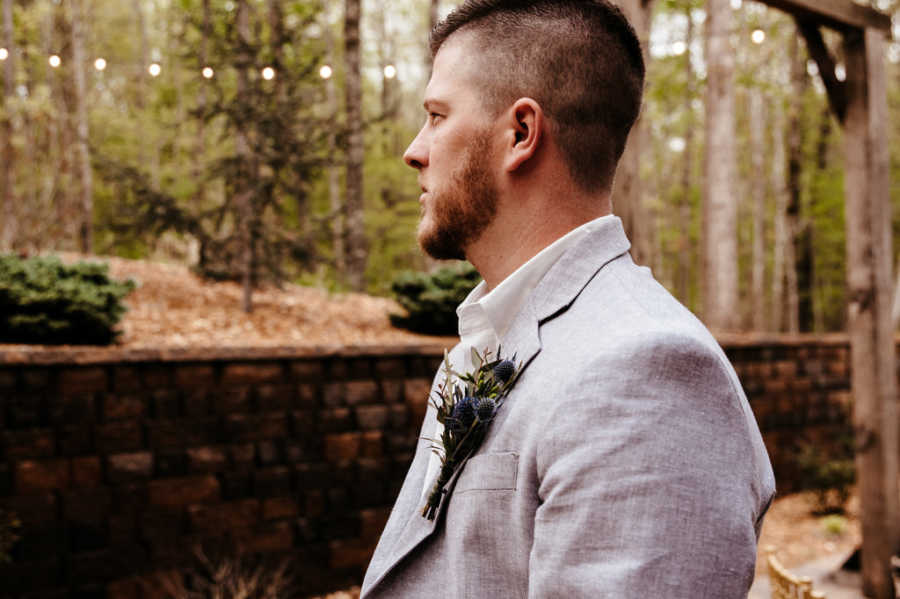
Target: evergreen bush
(829,474)
(44,301)
(430,300)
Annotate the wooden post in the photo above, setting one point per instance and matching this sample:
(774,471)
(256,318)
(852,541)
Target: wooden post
(873,379)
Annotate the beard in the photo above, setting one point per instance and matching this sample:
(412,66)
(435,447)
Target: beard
(460,214)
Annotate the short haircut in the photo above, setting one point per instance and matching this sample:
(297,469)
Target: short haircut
(579,59)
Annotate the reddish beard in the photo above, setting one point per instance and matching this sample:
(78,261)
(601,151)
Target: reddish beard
(467,206)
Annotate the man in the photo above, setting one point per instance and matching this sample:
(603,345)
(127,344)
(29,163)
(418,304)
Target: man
(625,461)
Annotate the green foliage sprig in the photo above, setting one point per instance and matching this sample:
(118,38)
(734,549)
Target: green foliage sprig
(44,301)
(466,405)
(431,300)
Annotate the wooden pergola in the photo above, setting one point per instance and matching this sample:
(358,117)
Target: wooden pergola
(860,104)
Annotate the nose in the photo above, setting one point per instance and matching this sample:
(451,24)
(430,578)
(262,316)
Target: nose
(416,155)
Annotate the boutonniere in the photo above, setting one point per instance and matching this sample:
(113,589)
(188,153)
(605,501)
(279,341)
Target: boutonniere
(466,405)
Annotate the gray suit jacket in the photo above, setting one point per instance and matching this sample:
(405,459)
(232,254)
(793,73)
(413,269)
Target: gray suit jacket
(624,463)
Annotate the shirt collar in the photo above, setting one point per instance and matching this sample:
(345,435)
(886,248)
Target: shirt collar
(498,307)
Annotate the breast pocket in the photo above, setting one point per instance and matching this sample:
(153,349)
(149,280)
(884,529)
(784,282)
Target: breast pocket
(489,472)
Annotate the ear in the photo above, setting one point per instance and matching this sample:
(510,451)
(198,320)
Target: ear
(525,132)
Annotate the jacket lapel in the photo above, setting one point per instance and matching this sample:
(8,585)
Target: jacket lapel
(557,290)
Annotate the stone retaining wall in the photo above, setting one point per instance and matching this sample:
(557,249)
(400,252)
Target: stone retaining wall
(120,462)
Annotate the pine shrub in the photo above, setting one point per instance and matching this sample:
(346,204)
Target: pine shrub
(430,300)
(44,301)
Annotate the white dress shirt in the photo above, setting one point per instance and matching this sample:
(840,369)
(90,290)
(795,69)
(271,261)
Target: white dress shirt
(485,315)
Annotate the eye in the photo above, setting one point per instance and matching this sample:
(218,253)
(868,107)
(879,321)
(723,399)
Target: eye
(434,117)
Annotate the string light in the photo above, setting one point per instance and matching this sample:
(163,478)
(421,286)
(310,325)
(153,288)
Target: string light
(325,72)
(154,69)
(54,61)
(100,64)
(736,4)
(390,71)
(840,71)
(4,53)
(268,73)
(208,72)
(758,36)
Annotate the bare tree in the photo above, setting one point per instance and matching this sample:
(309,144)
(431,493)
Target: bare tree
(720,198)
(627,193)
(335,201)
(82,147)
(244,191)
(758,186)
(782,240)
(9,85)
(353,206)
(799,83)
(686,212)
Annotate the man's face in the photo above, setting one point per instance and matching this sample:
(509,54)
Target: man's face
(454,155)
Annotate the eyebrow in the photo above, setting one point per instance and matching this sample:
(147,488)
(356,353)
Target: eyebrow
(430,103)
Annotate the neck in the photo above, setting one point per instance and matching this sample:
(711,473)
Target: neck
(514,238)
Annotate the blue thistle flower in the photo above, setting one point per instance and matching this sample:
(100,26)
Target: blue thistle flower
(504,370)
(463,415)
(486,408)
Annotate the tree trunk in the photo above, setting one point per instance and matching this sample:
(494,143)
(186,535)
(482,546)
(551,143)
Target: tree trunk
(779,190)
(7,227)
(895,311)
(799,83)
(627,190)
(758,185)
(86,229)
(335,201)
(720,197)
(244,190)
(354,207)
(434,12)
(686,209)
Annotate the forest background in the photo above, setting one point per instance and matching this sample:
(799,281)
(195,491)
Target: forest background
(260,140)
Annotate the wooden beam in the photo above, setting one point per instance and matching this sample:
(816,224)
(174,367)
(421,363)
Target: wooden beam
(836,90)
(872,348)
(837,14)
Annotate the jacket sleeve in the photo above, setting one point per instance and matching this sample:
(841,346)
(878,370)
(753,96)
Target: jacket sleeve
(652,478)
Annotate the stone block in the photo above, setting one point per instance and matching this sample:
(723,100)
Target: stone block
(237,399)
(303,422)
(372,444)
(372,523)
(35,379)
(180,492)
(308,370)
(274,398)
(31,576)
(307,396)
(390,368)
(8,379)
(207,459)
(349,553)
(242,455)
(342,446)
(195,403)
(267,453)
(398,417)
(312,475)
(83,379)
(361,392)
(168,435)
(272,482)
(374,417)
(195,375)
(74,440)
(23,410)
(279,508)
(72,408)
(236,485)
(335,420)
(226,516)
(35,512)
(158,376)
(126,379)
(42,476)
(416,392)
(128,467)
(116,437)
(392,390)
(314,503)
(28,443)
(166,404)
(87,472)
(293,452)
(252,373)
(333,395)
(122,406)
(359,368)
(277,537)
(256,427)
(170,463)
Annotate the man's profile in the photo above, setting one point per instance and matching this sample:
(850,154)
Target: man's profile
(625,461)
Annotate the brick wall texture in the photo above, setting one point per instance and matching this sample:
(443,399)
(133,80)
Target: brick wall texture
(121,464)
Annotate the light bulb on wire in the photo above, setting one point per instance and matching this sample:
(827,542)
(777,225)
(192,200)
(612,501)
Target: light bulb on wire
(268,73)
(54,61)
(758,36)
(154,69)
(390,71)
(100,64)
(325,72)
(208,72)
(4,53)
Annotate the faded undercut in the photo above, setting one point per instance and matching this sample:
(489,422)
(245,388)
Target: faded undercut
(579,59)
